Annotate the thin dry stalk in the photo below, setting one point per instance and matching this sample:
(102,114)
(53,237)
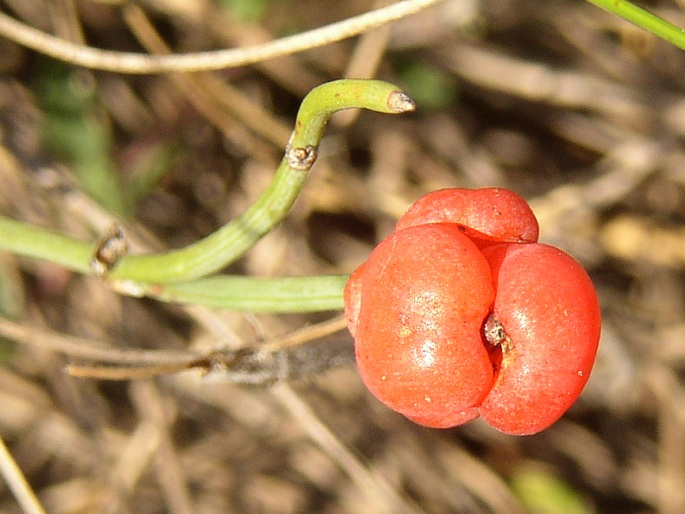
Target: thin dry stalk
(17,483)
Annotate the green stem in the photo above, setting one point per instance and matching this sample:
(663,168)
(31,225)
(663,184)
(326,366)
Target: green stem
(644,19)
(229,242)
(256,294)
(175,275)
(22,238)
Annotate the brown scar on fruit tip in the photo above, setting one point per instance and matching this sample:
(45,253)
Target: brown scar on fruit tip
(494,333)
(109,250)
(301,158)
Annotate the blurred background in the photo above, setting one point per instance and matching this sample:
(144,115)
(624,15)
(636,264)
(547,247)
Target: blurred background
(579,112)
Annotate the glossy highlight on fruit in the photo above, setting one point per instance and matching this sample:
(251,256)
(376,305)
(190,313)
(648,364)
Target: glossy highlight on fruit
(460,313)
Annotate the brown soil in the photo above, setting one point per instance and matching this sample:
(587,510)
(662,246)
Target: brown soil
(565,104)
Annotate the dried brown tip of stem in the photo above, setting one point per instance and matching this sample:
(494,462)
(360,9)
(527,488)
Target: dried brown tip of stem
(399,101)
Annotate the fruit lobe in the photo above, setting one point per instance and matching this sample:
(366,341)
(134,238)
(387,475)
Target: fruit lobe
(418,343)
(549,309)
(488,214)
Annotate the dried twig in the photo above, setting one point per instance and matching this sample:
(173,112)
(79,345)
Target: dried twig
(123,62)
(17,483)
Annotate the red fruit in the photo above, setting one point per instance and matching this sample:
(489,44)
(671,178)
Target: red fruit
(487,215)
(549,310)
(459,313)
(417,333)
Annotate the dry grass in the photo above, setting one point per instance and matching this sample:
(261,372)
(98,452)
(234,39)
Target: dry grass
(559,101)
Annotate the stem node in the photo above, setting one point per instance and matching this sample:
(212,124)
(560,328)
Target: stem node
(108,251)
(301,158)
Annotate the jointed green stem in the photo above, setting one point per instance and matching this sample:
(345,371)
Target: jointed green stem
(232,240)
(253,294)
(644,19)
(173,276)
